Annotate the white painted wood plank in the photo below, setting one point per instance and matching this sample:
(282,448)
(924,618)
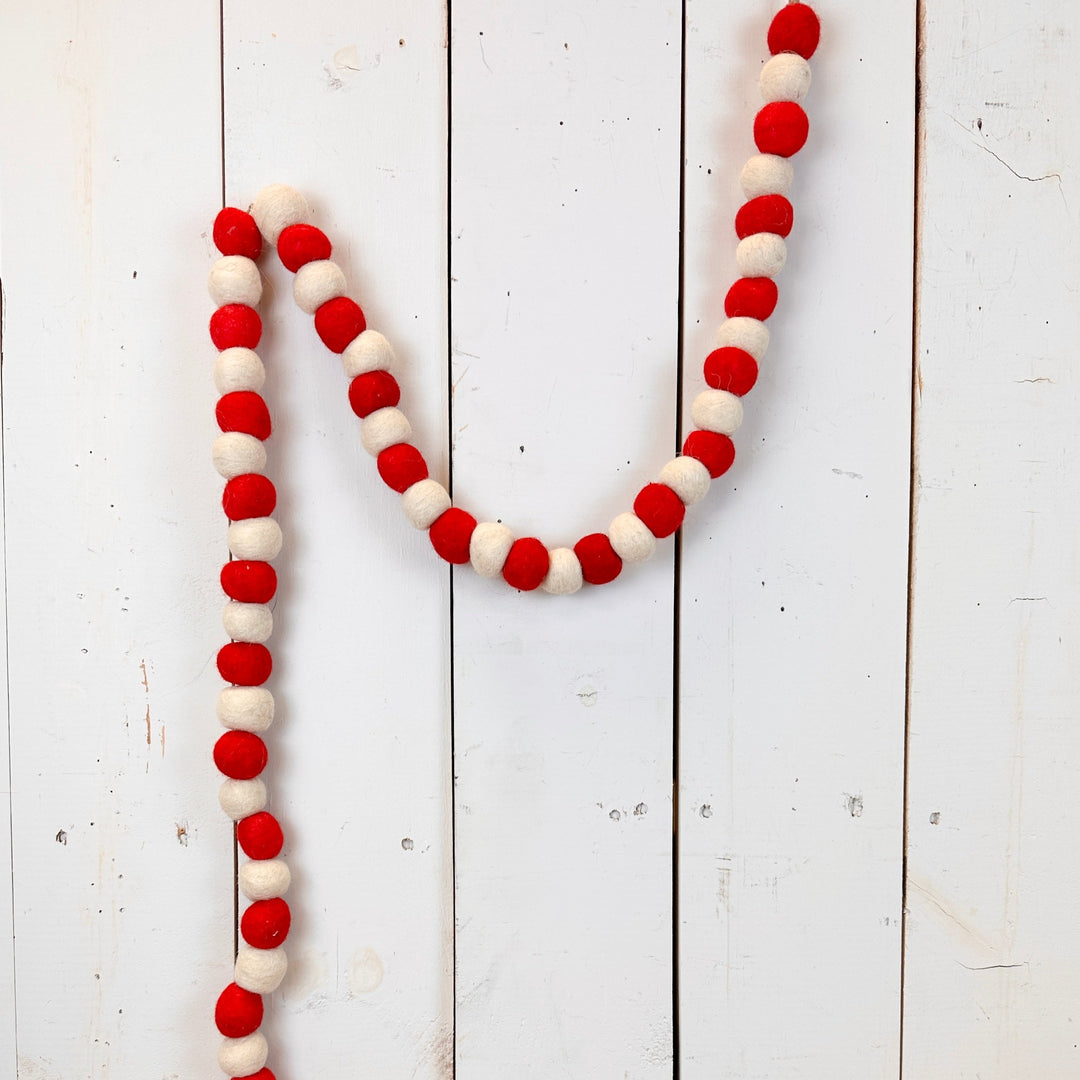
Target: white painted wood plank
(993,949)
(565,186)
(7,911)
(793,574)
(121,860)
(348,103)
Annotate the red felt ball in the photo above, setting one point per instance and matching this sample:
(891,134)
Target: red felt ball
(731,369)
(781,128)
(795,28)
(265,924)
(450,535)
(338,321)
(235,233)
(244,663)
(660,508)
(262,1074)
(766,213)
(599,561)
(239,1012)
(716,452)
(527,564)
(373,390)
(249,581)
(401,466)
(240,755)
(235,325)
(754,297)
(248,496)
(260,836)
(300,244)
(243,410)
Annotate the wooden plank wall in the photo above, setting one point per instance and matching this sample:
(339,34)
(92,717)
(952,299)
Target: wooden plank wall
(656,829)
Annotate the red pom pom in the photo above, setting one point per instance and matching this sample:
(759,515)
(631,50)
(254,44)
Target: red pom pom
(599,561)
(401,466)
(373,390)
(244,663)
(731,369)
(795,28)
(239,1012)
(235,233)
(450,535)
(781,128)
(244,410)
(260,836)
(754,297)
(527,564)
(248,496)
(766,213)
(338,321)
(301,244)
(240,755)
(716,452)
(235,325)
(249,581)
(660,508)
(265,924)
(262,1074)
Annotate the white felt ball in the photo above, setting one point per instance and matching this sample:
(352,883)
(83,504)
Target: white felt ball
(383,428)
(236,453)
(246,708)
(234,279)
(631,538)
(488,547)
(750,335)
(688,478)
(260,970)
(255,538)
(368,351)
(243,1057)
(238,369)
(717,410)
(766,174)
(424,502)
(248,622)
(276,208)
(242,798)
(316,282)
(786,77)
(263,879)
(564,573)
(761,255)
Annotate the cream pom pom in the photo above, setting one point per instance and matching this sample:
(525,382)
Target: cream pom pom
(248,622)
(255,538)
(717,410)
(238,369)
(631,538)
(368,351)
(243,1057)
(383,428)
(276,208)
(761,255)
(424,502)
(242,798)
(316,282)
(750,335)
(263,879)
(786,77)
(246,708)
(766,174)
(688,478)
(260,970)
(564,573)
(489,545)
(234,279)
(236,453)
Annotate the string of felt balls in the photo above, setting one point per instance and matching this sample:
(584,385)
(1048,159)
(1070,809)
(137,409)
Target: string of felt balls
(246,707)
